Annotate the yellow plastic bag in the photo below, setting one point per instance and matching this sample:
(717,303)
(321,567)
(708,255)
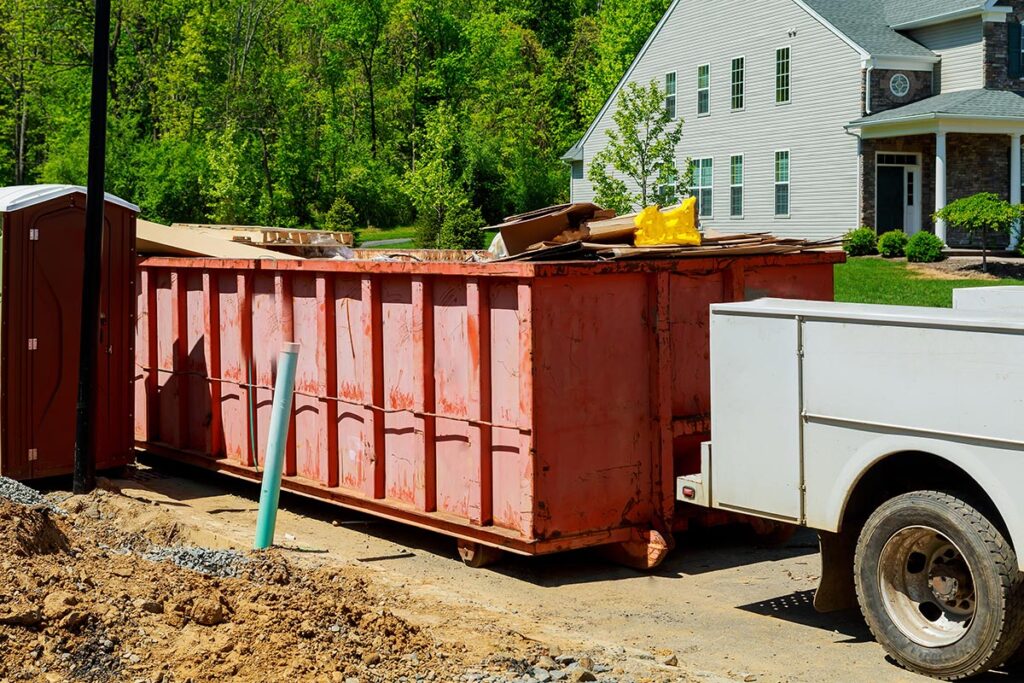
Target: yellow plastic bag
(675,226)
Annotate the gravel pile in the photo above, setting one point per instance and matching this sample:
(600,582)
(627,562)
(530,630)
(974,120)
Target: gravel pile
(16,492)
(219,563)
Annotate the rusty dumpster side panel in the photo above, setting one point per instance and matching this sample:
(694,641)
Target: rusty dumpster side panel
(533,407)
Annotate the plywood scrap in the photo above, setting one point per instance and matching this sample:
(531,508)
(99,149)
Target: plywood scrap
(305,243)
(155,239)
(618,229)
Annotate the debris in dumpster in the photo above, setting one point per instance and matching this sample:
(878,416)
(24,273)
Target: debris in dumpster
(677,225)
(545,225)
(586,232)
(302,243)
(619,229)
(154,239)
(712,245)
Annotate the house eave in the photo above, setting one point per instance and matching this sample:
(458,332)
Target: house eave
(990,9)
(574,154)
(899,62)
(923,124)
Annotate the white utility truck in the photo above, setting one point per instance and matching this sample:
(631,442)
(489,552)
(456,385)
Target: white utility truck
(897,433)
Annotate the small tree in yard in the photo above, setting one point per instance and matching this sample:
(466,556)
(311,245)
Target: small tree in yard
(981,214)
(641,147)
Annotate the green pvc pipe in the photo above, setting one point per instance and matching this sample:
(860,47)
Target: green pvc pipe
(277,439)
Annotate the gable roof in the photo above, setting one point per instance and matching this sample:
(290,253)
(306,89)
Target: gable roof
(979,104)
(866,23)
(867,26)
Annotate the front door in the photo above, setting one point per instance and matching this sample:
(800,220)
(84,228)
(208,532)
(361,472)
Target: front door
(56,272)
(891,211)
(898,193)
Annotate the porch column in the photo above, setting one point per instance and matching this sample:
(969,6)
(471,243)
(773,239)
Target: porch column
(940,182)
(1015,184)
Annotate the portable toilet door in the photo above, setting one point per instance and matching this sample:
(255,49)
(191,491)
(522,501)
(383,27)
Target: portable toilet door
(41,312)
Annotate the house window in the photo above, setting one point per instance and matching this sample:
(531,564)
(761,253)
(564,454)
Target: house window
(703,172)
(577,170)
(738,69)
(897,159)
(670,95)
(1020,46)
(782,76)
(1015,52)
(782,183)
(704,90)
(736,186)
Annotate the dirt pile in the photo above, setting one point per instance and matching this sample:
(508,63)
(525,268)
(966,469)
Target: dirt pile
(79,601)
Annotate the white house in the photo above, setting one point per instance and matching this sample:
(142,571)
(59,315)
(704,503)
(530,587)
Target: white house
(808,118)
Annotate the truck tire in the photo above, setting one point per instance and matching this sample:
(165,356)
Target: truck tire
(939,586)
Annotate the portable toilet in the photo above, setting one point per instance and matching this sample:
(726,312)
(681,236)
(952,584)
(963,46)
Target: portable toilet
(41,312)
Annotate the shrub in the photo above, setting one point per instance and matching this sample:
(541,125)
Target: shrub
(924,247)
(893,244)
(339,218)
(461,229)
(860,242)
(981,214)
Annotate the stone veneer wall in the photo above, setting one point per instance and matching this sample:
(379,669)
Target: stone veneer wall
(977,163)
(996,49)
(882,98)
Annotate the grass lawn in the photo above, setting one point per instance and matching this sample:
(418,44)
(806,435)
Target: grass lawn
(377,234)
(876,281)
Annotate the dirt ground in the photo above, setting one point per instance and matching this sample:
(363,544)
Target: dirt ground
(350,598)
(970,268)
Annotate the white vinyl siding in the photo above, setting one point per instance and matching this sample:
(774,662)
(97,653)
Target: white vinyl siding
(703,90)
(670,94)
(704,186)
(738,84)
(736,186)
(961,46)
(826,80)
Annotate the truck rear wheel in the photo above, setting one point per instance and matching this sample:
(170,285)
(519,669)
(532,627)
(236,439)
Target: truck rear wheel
(939,586)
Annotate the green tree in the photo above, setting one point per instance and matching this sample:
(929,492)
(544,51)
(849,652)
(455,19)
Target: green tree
(271,111)
(982,214)
(439,184)
(641,149)
(619,29)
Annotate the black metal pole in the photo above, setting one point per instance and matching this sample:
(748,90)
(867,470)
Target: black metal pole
(85,448)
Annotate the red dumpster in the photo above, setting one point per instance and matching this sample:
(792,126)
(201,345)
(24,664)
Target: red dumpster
(531,407)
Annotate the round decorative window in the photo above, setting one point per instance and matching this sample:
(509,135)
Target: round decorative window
(900,85)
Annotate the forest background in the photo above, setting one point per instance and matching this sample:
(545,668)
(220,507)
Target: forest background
(317,113)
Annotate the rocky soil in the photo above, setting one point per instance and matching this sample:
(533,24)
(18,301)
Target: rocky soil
(108,588)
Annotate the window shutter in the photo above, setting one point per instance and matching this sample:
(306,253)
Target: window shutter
(1014,47)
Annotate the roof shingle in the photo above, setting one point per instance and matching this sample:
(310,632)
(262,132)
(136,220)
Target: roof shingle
(866,23)
(979,103)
